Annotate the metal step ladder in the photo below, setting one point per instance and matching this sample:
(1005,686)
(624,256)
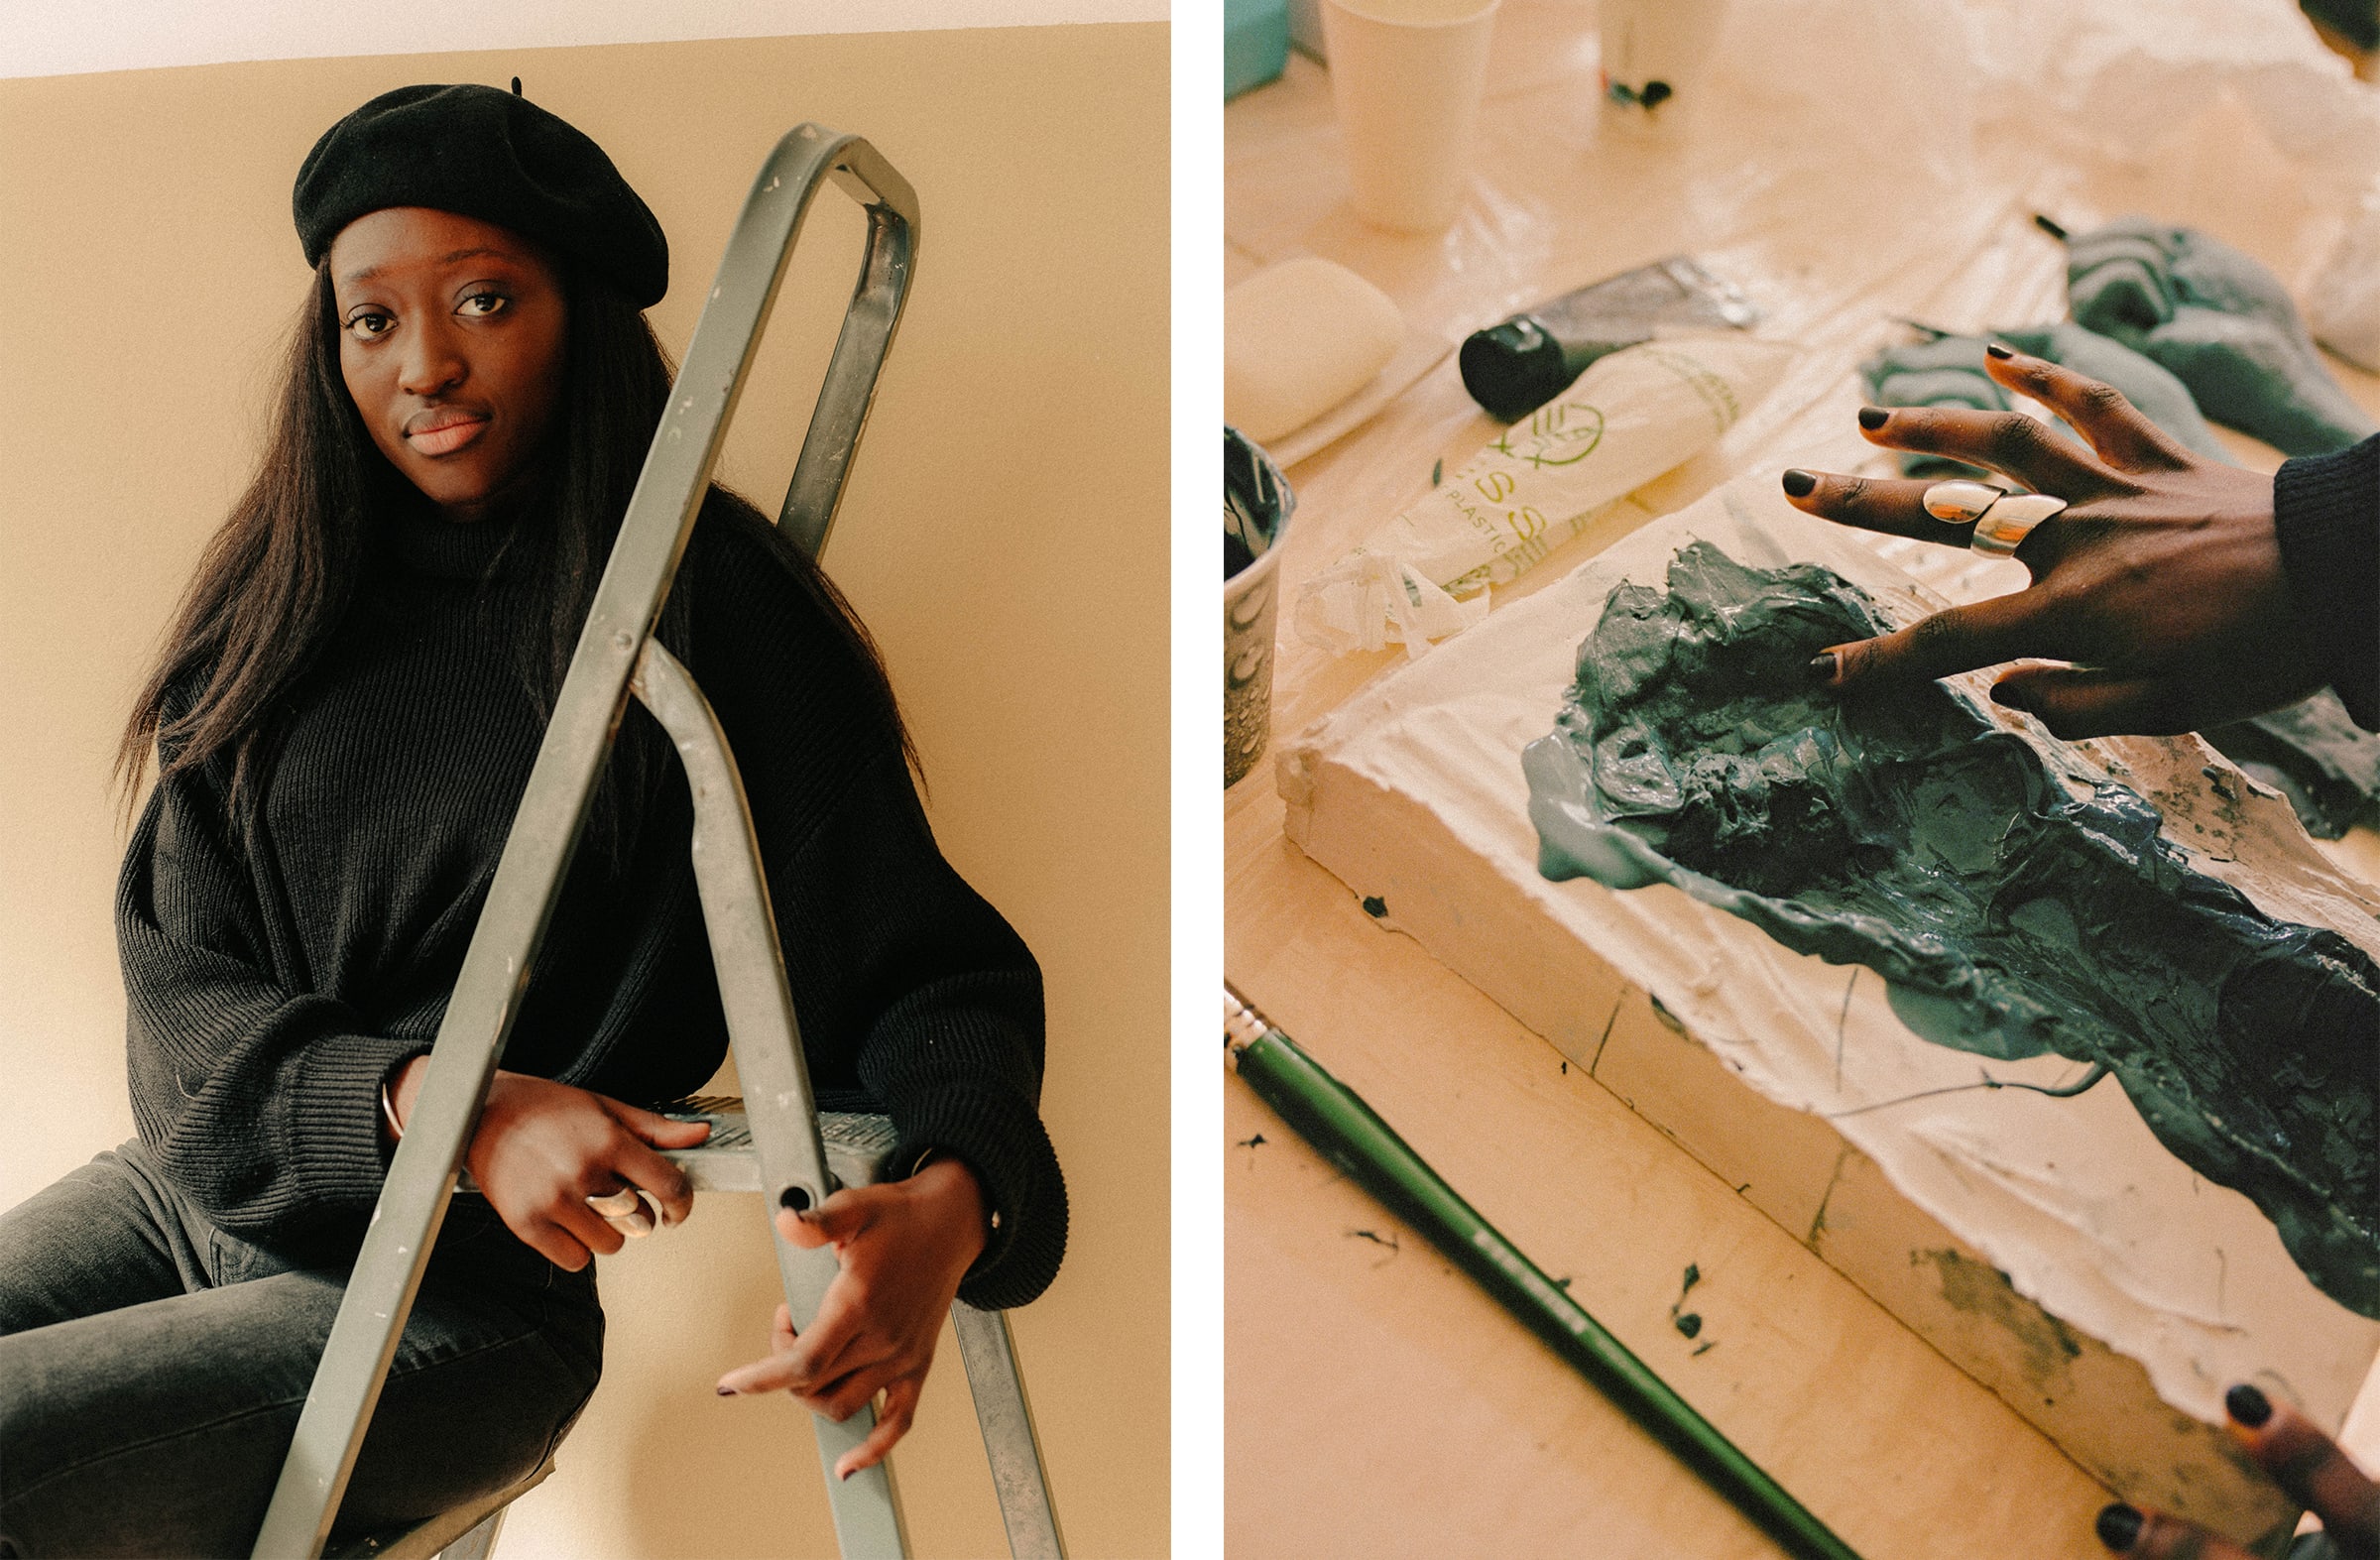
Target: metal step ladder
(773,1141)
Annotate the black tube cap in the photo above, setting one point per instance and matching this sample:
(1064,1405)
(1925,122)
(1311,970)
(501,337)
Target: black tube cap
(1513,368)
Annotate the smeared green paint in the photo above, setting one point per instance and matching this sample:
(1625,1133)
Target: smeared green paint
(2009,917)
(2220,323)
(2313,754)
(1984,1293)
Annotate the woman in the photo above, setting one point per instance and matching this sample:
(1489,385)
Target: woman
(2183,593)
(343,716)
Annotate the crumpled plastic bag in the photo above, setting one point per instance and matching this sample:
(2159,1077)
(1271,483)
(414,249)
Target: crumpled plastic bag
(2342,306)
(1368,601)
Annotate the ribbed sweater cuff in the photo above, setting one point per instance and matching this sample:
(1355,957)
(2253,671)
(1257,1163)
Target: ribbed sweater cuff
(2326,513)
(1011,1154)
(334,1094)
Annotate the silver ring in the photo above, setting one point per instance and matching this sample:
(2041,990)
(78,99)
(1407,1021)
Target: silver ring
(1962,502)
(624,1211)
(614,1205)
(2009,521)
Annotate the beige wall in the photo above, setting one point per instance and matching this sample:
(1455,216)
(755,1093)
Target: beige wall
(1004,533)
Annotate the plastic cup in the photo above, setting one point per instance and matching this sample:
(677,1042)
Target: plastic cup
(1251,606)
(1407,75)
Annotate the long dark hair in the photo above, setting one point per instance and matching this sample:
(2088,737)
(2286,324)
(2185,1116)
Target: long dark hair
(282,573)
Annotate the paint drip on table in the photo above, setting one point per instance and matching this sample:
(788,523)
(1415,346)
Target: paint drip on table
(2014,909)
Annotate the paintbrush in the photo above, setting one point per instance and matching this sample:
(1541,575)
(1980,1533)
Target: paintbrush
(1346,1130)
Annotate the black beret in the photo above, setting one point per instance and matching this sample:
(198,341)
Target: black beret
(485,153)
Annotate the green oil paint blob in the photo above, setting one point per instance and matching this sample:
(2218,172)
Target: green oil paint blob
(2009,916)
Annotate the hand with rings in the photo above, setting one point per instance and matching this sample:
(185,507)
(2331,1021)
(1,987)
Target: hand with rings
(2156,571)
(569,1171)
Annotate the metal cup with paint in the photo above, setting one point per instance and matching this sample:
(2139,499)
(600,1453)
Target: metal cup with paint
(1256,505)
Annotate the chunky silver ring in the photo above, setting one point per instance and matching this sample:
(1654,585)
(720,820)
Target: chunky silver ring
(624,1211)
(2009,521)
(614,1205)
(1962,502)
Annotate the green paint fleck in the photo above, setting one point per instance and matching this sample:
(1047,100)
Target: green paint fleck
(1374,906)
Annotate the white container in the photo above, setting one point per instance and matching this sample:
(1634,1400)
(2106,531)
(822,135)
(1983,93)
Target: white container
(1407,75)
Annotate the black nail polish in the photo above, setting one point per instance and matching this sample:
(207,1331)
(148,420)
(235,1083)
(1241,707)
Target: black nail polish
(1995,349)
(2118,1525)
(2008,698)
(1822,668)
(1872,417)
(2247,1406)
(1799,483)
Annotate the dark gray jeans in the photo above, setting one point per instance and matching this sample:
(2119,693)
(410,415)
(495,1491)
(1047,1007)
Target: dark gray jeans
(152,1368)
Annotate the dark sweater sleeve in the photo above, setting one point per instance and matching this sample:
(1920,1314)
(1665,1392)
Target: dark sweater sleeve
(908,985)
(262,1104)
(2326,509)
(887,942)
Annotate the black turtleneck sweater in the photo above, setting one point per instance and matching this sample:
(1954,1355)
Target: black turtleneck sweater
(2327,509)
(281,966)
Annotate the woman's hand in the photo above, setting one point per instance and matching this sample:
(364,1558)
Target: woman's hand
(2161,582)
(902,1248)
(2301,1459)
(542,1148)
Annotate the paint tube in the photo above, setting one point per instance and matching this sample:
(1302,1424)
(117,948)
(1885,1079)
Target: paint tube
(1629,417)
(1520,365)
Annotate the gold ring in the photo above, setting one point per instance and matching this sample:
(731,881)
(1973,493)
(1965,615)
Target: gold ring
(2007,523)
(1962,502)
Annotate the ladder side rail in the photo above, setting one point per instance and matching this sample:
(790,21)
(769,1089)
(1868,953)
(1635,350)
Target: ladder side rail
(1010,1443)
(545,834)
(770,1061)
(887,268)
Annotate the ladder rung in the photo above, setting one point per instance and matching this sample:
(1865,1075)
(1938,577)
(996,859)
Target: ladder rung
(858,1146)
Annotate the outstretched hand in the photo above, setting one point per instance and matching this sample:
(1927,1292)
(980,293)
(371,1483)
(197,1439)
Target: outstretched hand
(2301,1459)
(2160,584)
(902,1246)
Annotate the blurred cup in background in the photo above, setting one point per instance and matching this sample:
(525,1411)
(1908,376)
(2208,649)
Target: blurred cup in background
(1407,77)
(1655,56)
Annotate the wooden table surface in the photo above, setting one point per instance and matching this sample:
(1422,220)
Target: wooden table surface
(1377,1402)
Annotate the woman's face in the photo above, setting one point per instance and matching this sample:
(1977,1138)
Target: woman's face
(450,341)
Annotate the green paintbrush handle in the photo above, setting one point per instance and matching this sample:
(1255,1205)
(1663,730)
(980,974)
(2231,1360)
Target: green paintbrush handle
(1336,1120)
